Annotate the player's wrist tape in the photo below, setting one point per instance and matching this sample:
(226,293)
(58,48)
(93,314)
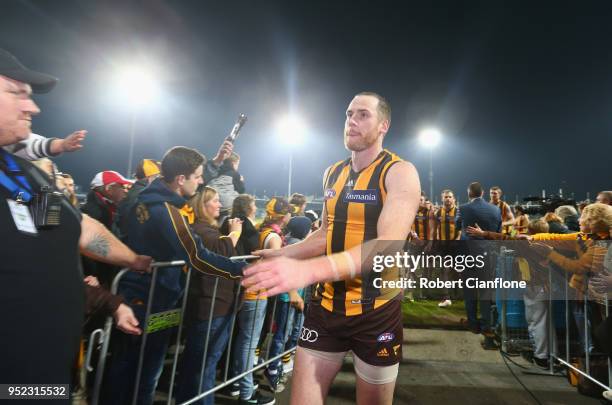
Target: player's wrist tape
(351,264)
(341,264)
(334,267)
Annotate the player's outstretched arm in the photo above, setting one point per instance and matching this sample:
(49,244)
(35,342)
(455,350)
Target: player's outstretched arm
(282,274)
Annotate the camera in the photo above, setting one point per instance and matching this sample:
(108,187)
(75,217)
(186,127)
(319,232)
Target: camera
(236,128)
(46,207)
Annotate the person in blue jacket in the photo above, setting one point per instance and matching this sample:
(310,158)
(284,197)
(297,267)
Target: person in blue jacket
(488,217)
(159,223)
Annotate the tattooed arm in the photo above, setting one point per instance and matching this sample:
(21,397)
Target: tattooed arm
(100,244)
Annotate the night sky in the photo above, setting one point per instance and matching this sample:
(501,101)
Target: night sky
(522,91)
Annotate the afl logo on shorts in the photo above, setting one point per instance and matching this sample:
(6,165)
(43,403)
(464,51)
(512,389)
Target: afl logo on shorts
(309,335)
(330,193)
(385,337)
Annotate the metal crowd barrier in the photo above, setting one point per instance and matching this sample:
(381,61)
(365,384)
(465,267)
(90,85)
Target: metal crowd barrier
(100,339)
(517,339)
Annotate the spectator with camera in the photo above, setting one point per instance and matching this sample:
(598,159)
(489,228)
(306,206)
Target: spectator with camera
(40,273)
(245,210)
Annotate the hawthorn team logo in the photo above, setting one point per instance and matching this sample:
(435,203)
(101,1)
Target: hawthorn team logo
(142,213)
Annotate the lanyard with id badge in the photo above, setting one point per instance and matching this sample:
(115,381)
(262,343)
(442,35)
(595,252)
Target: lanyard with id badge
(29,210)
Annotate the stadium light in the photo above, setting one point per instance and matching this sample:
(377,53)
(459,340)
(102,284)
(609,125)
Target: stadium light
(430,138)
(291,132)
(137,87)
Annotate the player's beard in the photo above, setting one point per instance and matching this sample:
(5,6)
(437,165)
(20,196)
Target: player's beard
(360,143)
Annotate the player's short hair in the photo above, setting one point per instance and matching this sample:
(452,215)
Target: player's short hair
(496,188)
(383,107)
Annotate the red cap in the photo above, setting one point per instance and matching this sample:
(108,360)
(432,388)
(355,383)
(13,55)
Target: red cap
(108,177)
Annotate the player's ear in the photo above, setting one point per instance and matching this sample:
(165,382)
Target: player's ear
(384,127)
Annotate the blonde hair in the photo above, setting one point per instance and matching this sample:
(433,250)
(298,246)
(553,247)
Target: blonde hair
(552,217)
(537,226)
(46,165)
(197,204)
(598,216)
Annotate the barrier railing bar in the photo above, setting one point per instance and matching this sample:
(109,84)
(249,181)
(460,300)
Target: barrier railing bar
(209,327)
(238,377)
(107,334)
(587,352)
(92,340)
(231,334)
(270,334)
(567,323)
(581,372)
(178,337)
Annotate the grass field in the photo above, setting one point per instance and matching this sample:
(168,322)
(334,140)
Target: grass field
(427,314)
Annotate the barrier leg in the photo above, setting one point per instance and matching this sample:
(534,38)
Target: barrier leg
(178,337)
(95,398)
(567,324)
(210,317)
(586,329)
(143,342)
(231,334)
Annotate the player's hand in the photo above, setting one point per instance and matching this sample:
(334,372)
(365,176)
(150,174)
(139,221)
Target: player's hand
(73,141)
(267,253)
(276,275)
(126,320)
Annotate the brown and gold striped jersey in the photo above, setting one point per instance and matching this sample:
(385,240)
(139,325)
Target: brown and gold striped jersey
(447,219)
(504,209)
(353,202)
(421,224)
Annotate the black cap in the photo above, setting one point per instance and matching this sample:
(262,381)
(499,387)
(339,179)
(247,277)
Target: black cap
(13,69)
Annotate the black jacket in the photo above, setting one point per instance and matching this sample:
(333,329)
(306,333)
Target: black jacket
(249,238)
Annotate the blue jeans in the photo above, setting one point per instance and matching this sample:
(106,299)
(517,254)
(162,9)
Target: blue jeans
(250,321)
(120,381)
(298,322)
(283,318)
(191,363)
